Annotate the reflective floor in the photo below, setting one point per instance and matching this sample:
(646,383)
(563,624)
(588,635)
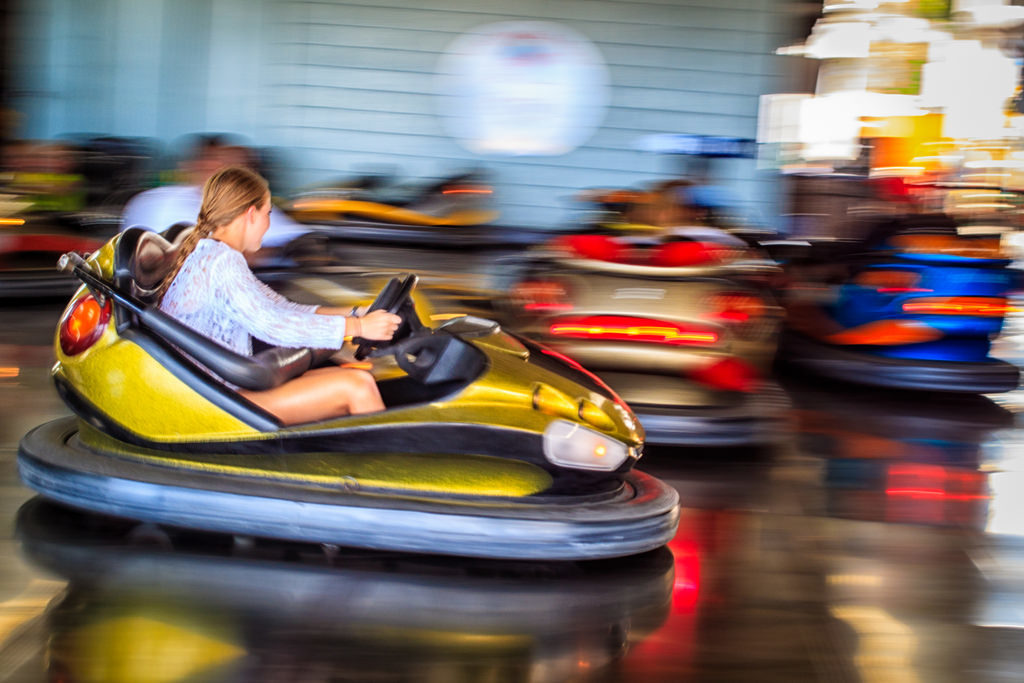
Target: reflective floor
(881,540)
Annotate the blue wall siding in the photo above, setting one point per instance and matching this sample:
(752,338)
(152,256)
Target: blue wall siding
(341,86)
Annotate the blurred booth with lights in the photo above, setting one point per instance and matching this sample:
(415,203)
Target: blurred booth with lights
(915,108)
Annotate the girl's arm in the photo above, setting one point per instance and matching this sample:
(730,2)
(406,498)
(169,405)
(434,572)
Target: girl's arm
(267,315)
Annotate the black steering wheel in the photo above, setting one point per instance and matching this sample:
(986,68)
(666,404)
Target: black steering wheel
(395,297)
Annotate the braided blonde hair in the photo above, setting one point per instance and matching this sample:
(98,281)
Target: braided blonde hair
(226,195)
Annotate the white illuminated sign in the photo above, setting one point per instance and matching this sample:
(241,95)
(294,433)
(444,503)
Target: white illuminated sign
(522,88)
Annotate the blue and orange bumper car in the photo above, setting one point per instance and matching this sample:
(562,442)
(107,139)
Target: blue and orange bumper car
(915,307)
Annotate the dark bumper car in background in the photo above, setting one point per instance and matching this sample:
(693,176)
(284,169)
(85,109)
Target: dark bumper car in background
(44,215)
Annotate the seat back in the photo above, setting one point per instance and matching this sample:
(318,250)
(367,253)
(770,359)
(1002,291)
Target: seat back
(144,258)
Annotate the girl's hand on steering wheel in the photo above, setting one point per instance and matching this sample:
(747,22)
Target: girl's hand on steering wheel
(377,326)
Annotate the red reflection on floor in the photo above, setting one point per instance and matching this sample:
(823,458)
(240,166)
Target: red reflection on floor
(934,494)
(668,652)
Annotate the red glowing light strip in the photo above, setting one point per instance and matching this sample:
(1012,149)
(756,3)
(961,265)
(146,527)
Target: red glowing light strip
(933,493)
(960,306)
(466,191)
(542,306)
(631,329)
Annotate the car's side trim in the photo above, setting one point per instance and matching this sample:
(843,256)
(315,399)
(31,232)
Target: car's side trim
(986,377)
(642,517)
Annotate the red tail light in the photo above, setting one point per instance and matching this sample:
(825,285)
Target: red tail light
(596,247)
(680,254)
(730,374)
(628,328)
(541,296)
(620,197)
(736,307)
(670,255)
(83,325)
(986,306)
(467,190)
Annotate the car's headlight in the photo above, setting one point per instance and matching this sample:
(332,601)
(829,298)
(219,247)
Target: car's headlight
(572,445)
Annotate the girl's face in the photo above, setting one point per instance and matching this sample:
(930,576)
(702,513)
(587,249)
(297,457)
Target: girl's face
(259,223)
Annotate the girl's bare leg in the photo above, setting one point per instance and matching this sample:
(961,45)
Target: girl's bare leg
(319,395)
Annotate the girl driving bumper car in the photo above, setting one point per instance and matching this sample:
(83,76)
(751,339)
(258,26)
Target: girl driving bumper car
(483,444)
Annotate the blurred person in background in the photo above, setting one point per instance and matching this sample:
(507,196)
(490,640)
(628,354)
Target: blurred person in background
(44,174)
(161,207)
(673,206)
(665,206)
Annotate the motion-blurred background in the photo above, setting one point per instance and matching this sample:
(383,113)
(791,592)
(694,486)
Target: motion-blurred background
(550,98)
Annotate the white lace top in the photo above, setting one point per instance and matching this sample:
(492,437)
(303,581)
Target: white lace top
(217,295)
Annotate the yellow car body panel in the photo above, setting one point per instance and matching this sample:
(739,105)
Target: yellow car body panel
(119,378)
(444,473)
